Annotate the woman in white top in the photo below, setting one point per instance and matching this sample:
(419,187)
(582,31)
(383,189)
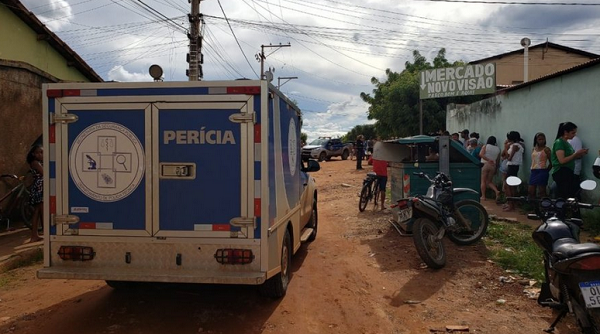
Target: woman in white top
(489,158)
(515,160)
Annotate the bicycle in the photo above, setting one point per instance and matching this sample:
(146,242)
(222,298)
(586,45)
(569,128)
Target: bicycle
(369,191)
(16,199)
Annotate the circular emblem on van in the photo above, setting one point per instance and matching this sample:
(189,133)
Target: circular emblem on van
(106,162)
(292,146)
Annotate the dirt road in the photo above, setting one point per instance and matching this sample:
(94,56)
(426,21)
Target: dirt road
(359,276)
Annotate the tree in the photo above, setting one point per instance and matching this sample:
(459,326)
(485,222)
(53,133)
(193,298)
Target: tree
(394,103)
(303,137)
(367,130)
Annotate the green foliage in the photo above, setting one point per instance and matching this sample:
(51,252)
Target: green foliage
(591,221)
(511,246)
(303,137)
(367,130)
(394,103)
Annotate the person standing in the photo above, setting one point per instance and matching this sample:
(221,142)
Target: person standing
(563,160)
(360,151)
(380,168)
(577,145)
(515,160)
(540,166)
(464,137)
(35,159)
(489,158)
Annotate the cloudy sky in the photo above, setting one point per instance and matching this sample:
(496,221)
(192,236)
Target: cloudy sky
(337,46)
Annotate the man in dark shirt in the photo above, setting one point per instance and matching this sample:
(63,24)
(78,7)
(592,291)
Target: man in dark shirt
(360,151)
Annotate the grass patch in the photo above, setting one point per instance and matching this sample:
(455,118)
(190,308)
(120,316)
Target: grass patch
(591,221)
(511,246)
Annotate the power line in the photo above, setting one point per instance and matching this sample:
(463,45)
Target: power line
(516,3)
(236,40)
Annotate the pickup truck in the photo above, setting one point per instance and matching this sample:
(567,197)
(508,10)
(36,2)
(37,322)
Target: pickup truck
(324,148)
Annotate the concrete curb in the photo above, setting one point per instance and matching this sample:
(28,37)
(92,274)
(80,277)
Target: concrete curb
(15,260)
(504,219)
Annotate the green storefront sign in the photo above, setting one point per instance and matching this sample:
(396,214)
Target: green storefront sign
(458,81)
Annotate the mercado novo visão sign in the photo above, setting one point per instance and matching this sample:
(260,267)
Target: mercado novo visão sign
(458,81)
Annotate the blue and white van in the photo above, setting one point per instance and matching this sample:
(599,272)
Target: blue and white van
(195,182)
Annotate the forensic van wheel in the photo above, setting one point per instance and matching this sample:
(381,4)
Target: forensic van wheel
(313,223)
(276,286)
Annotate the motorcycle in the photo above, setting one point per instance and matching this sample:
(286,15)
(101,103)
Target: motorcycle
(435,215)
(571,268)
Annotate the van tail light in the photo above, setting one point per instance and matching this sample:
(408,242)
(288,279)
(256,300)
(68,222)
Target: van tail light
(76,253)
(588,263)
(234,256)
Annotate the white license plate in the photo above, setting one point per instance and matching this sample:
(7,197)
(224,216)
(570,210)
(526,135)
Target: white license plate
(591,293)
(404,215)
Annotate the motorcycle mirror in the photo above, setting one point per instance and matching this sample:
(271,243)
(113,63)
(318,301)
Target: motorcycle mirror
(588,185)
(513,181)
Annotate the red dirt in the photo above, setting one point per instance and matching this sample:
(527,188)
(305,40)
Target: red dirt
(359,276)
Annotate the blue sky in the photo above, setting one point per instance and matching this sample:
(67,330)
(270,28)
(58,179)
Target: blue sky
(337,46)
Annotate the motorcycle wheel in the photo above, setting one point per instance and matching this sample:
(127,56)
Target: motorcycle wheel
(592,315)
(476,216)
(365,194)
(594,319)
(430,250)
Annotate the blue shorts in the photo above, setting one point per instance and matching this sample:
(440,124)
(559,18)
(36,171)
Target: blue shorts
(539,177)
(381,182)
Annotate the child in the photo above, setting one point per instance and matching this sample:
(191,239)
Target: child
(35,160)
(540,166)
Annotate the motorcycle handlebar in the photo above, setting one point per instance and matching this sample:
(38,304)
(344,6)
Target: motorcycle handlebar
(572,202)
(440,178)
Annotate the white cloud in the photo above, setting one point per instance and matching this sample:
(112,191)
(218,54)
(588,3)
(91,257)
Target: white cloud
(336,46)
(337,120)
(119,73)
(55,14)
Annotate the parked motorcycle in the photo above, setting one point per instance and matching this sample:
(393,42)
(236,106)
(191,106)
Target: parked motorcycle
(572,269)
(435,215)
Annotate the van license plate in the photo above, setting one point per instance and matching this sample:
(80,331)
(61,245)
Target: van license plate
(404,215)
(591,293)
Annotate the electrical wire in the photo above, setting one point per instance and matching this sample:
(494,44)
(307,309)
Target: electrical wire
(236,40)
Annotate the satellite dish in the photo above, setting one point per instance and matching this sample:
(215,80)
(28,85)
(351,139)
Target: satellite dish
(156,72)
(525,42)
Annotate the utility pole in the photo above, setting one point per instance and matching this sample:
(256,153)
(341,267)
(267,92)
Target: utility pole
(279,84)
(261,56)
(195,58)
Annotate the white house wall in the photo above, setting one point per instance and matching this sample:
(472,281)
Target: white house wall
(538,107)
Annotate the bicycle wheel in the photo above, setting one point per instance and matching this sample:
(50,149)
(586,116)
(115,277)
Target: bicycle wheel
(27,211)
(365,196)
(376,192)
(475,219)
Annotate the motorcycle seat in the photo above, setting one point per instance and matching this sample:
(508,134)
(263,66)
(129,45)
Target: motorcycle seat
(568,247)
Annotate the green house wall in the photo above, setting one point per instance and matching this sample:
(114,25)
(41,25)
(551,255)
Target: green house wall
(19,42)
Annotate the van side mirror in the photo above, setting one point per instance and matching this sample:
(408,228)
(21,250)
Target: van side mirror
(311,166)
